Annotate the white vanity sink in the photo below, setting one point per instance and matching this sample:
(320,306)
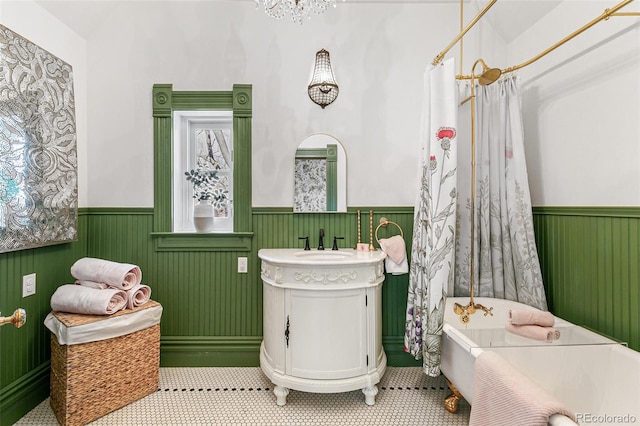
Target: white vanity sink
(331,255)
(320,257)
(322,321)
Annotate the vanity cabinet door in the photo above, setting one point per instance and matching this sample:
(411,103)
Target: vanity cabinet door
(327,333)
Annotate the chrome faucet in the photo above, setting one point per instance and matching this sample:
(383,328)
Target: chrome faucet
(321,240)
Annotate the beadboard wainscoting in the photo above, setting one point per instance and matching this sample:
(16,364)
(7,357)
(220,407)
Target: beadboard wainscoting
(25,352)
(590,259)
(213,314)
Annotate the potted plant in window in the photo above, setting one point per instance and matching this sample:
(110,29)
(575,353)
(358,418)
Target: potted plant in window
(209,196)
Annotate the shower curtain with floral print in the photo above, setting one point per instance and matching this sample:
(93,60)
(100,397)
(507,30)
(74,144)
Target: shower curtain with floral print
(434,226)
(506,264)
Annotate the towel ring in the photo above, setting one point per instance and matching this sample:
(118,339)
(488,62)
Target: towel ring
(383,223)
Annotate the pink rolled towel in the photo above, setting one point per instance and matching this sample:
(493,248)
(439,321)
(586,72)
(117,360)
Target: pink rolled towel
(536,332)
(138,296)
(92,284)
(121,275)
(531,317)
(79,299)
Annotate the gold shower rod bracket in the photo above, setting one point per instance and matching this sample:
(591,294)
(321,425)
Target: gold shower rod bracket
(18,318)
(602,17)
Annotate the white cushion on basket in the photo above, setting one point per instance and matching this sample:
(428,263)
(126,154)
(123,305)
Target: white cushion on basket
(107,328)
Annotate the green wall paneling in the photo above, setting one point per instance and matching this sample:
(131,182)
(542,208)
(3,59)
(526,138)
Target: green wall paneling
(206,303)
(25,352)
(203,351)
(213,315)
(589,258)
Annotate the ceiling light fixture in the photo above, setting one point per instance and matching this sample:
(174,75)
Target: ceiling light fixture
(297,9)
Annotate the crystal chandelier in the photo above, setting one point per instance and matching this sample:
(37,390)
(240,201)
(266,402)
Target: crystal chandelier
(323,88)
(297,9)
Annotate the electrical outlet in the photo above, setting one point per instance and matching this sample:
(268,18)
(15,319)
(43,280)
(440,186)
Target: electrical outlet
(242,265)
(28,285)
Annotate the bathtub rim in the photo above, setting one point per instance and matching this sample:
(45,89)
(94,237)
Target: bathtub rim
(472,350)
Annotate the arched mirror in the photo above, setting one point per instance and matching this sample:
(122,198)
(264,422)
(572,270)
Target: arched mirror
(320,175)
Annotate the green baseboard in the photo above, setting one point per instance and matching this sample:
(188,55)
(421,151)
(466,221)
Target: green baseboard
(199,351)
(396,356)
(21,396)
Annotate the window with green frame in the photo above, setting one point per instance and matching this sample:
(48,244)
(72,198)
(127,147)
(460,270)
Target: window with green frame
(166,103)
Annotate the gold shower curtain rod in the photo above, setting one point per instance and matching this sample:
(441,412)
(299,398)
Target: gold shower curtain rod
(603,17)
(442,54)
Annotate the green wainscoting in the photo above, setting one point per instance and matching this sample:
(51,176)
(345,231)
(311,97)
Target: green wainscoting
(213,315)
(25,351)
(590,259)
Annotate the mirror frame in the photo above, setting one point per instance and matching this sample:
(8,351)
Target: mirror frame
(336,173)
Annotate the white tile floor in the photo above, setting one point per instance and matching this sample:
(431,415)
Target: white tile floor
(244,396)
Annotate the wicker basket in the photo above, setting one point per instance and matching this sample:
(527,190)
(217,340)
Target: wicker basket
(89,380)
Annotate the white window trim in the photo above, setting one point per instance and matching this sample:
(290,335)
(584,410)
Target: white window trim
(183,155)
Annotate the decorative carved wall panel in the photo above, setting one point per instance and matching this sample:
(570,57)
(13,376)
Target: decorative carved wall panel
(38,157)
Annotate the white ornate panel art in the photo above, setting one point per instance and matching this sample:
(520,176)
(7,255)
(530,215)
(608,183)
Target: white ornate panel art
(38,160)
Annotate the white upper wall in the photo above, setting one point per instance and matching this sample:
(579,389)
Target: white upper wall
(581,102)
(378,51)
(581,106)
(26,18)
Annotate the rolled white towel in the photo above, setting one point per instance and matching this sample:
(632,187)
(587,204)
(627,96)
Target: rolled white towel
(138,296)
(79,299)
(92,284)
(120,275)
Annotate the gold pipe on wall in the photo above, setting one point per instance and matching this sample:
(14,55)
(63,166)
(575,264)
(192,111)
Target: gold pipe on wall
(461,27)
(371,246)
(442,54)
(602,17)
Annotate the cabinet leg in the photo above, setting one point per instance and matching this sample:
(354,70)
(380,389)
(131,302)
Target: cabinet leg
(281,395)
(370,393)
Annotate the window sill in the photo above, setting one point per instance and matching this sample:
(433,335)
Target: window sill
(210,241)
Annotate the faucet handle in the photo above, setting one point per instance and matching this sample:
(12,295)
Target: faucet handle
(321,240)
(335,242)
(306,243)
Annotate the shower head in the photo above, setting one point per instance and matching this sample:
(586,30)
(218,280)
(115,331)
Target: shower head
(489,75)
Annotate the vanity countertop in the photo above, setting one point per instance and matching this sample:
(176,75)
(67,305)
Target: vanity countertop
(345,256)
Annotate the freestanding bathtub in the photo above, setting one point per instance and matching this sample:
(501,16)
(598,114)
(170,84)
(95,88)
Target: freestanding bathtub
(596,378)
